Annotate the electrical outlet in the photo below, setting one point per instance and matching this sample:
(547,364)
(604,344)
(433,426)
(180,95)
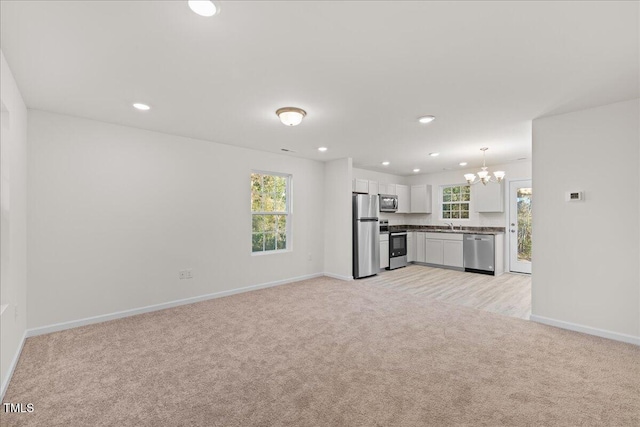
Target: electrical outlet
(189,274)
(182,274)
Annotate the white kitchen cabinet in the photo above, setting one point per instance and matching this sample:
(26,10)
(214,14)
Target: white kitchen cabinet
(453,254)
(360,186)
(373,187)
(434,252)
(421,200)
(488,198)
(411,246)
(384,250)
(404,198)
(420,247)
(444,249)
(389,189)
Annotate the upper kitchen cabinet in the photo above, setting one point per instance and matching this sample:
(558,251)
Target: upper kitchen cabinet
(488,198)
(404,198)
(389,189)
(421,201)
(364,186)
(360,186)
(373,188)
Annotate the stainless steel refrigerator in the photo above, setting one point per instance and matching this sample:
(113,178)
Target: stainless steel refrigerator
(366,236)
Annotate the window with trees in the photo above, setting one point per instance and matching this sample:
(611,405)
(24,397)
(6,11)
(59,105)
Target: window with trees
(455,201)
(270,211)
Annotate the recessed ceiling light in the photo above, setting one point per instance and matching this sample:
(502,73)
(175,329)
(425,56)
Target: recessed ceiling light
(463,163)
(416,170)
(322,149)
(385,163)
(204,7)
(143,107)
(426,119)
(434,154)
(291,116)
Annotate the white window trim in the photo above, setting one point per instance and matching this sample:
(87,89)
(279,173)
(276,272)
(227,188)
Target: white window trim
(441,197)
(289,214)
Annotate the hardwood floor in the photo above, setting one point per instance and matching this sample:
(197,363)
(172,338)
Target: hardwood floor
(508,294)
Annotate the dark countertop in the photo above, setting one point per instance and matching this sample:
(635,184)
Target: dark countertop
(445,229)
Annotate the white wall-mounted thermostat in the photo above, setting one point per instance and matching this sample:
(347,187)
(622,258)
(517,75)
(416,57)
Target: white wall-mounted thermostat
(574,196)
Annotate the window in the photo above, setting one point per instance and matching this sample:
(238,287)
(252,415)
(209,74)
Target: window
(455,201)
(270,202)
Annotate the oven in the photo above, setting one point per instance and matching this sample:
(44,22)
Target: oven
(397,250)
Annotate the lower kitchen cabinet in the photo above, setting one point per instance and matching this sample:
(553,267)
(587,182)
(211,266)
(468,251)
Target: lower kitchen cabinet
(444,249)
(452,253)
(434,252)
(411,247)
(420,247)
(384,251)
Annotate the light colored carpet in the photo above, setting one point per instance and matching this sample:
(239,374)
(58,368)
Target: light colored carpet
(325,353)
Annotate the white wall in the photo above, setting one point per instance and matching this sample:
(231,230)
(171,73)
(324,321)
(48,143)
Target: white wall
(13,231)
(585,254)
(338,219)
(116,212)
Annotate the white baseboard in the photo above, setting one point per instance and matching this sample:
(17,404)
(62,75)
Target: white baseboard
(586,329)
(132,312)
(338,276)
(12,367)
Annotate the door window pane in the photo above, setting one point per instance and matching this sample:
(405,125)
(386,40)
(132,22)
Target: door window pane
(524,198)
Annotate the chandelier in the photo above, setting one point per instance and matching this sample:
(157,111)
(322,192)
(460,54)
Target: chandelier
(483,175)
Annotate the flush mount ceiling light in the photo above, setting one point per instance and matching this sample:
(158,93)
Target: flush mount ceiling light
(141,107)
(483,175)
(204,7)
(463,163)
(385,163)
(426,119)
(291,116)
(322,149)
(434,154)
(416,170)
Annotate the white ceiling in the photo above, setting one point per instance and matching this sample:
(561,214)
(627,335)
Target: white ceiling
(363,71)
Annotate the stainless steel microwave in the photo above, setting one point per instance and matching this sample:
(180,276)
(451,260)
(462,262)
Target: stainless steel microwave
(388,203)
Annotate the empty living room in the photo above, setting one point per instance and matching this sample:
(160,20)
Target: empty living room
(320,213)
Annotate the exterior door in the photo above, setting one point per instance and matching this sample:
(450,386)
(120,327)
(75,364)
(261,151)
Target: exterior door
(520,197)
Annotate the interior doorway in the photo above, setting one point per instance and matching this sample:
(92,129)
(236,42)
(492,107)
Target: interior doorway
(520,199)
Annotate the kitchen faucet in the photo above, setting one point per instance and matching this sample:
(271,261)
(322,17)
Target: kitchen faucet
(450,224)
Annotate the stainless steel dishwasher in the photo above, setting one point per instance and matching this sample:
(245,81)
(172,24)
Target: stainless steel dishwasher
(479,253)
